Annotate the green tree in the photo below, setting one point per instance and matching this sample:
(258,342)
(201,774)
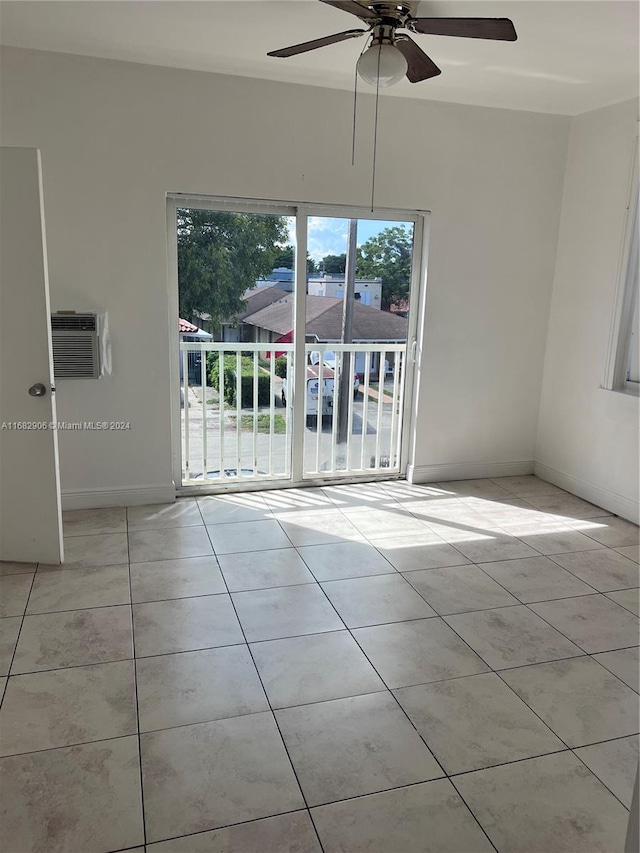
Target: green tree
(388,256)
(220,256)
(333,264)
(285,258)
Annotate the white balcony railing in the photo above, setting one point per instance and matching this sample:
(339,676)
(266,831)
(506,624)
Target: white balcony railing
(237,422)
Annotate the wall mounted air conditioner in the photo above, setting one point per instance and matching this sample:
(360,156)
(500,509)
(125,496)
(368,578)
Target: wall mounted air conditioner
(76,345)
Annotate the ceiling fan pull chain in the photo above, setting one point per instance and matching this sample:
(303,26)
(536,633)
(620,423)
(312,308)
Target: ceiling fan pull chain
(375,132)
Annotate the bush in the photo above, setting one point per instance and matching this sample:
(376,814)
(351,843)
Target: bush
(246,382)
(281,367)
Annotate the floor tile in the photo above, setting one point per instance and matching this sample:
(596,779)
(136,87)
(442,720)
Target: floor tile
(107,549)
(543,804)
(384,522)
(14,592)
(8,568)
(578,699)
(73,638)
(495,547)
(182,513)
(459,513)
(320,527)
(3,682)
(200,777)
(417,652)
(251,570)
(350,747)
(170,544)
(84,522)
(361,494)
(627,598)
(68,706)
(615,532)
(482,488)
(536,579)
(555,541)
(79,798)
(404,490)
(625,663)
(197,687)
(247,536)
(407,555)
(565,505)
(77,589)
(345,560)
(233,508)
(295,500)
(287,833)
(614,763)
(474,722)
(426,818)
(592,622)
(602,569)
(185,624)
(505,514)
(526,485)
(376,600)
(9,628)
(288,611)
(302,670)
(630,551)
(163,579)
(511,636)
(459,589)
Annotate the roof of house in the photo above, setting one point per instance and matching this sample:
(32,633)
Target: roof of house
(185,327)
(324,320)
(258,298)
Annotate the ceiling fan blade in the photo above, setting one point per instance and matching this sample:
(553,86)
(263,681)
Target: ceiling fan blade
(294,49)
(501,29)
(352,7)
(419,66)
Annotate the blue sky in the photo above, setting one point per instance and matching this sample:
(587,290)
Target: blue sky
(328,236)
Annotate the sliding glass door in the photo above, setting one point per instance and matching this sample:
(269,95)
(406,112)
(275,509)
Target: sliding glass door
(295,331)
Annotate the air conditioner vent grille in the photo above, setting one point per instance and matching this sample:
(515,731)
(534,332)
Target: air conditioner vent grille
(74,322)
(75,346)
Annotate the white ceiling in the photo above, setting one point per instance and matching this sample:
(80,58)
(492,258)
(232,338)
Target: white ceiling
(571,55)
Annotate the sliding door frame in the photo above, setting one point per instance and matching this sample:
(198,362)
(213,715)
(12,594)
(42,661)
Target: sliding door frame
(301,212)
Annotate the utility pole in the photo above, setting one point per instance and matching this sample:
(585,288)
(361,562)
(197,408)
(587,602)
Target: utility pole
(344,362)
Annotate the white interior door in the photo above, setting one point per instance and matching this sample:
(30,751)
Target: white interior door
(30,514)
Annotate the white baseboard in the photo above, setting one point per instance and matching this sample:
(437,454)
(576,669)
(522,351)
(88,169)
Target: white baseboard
(135,496)
(616,503)
(467,471)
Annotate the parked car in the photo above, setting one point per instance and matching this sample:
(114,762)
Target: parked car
(319,400)
(330,361)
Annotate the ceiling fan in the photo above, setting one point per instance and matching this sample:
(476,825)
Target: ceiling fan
(391,56)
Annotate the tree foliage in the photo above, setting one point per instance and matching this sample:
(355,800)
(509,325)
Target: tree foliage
(285,259)
(221,255)
(388,256)
(333,264)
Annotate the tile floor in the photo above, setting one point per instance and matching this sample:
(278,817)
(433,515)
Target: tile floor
(376,668)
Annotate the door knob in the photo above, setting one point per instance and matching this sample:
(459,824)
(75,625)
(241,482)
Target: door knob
(37,390)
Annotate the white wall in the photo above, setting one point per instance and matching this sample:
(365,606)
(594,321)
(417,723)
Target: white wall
(116,137)
(588,437)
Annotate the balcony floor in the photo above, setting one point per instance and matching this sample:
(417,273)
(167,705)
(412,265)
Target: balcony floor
(376,668)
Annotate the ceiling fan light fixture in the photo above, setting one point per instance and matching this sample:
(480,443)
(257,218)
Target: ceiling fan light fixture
(382,65)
